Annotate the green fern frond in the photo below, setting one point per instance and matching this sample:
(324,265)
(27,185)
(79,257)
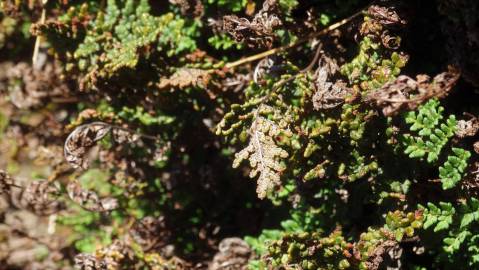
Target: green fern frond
(429,133)
(451,172)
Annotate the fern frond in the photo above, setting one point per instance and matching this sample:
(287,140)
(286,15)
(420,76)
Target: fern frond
(430,133)
(451,172)
(440,217)
(263,153)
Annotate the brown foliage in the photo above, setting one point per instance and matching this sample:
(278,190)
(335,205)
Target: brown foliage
(257,33)
(89,199)
(233,254)
(81,140)
(328,95)
(407,93)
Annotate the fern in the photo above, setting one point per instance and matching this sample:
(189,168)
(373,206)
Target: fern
(118,39)
(461,222)
(430,134)
(451,172)
(470,212)
(263,153)
(310,250)
(454,243)
(440,217)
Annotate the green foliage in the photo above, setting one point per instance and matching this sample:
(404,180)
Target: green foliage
(370,67)
(308,250)
(458,223)
(139,114)
(439,217)
(122,37)
(234,6)
(190,116)
(224,42)
(451,172)
(430,132)
(292,250)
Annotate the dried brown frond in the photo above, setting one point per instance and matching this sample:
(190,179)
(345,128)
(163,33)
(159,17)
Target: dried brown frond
(327,94)
(467,128)
(156,262)
(90,200)
(387,16)
(263,153)
(380,22)
(81,140)
(106,258)
(407,93)
(40,197)
(258,33)
(233,254)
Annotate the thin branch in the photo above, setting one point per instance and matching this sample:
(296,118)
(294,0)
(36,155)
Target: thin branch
(289,46)
(303,71)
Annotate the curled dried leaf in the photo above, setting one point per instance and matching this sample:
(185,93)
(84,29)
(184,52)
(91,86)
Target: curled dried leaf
(387,16)
(256,33)
(81,140)
(467,128)
(328,95)
(390,41)
(407,93)
(90,200)
(262,68)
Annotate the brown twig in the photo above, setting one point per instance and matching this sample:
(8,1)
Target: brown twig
(297,43)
